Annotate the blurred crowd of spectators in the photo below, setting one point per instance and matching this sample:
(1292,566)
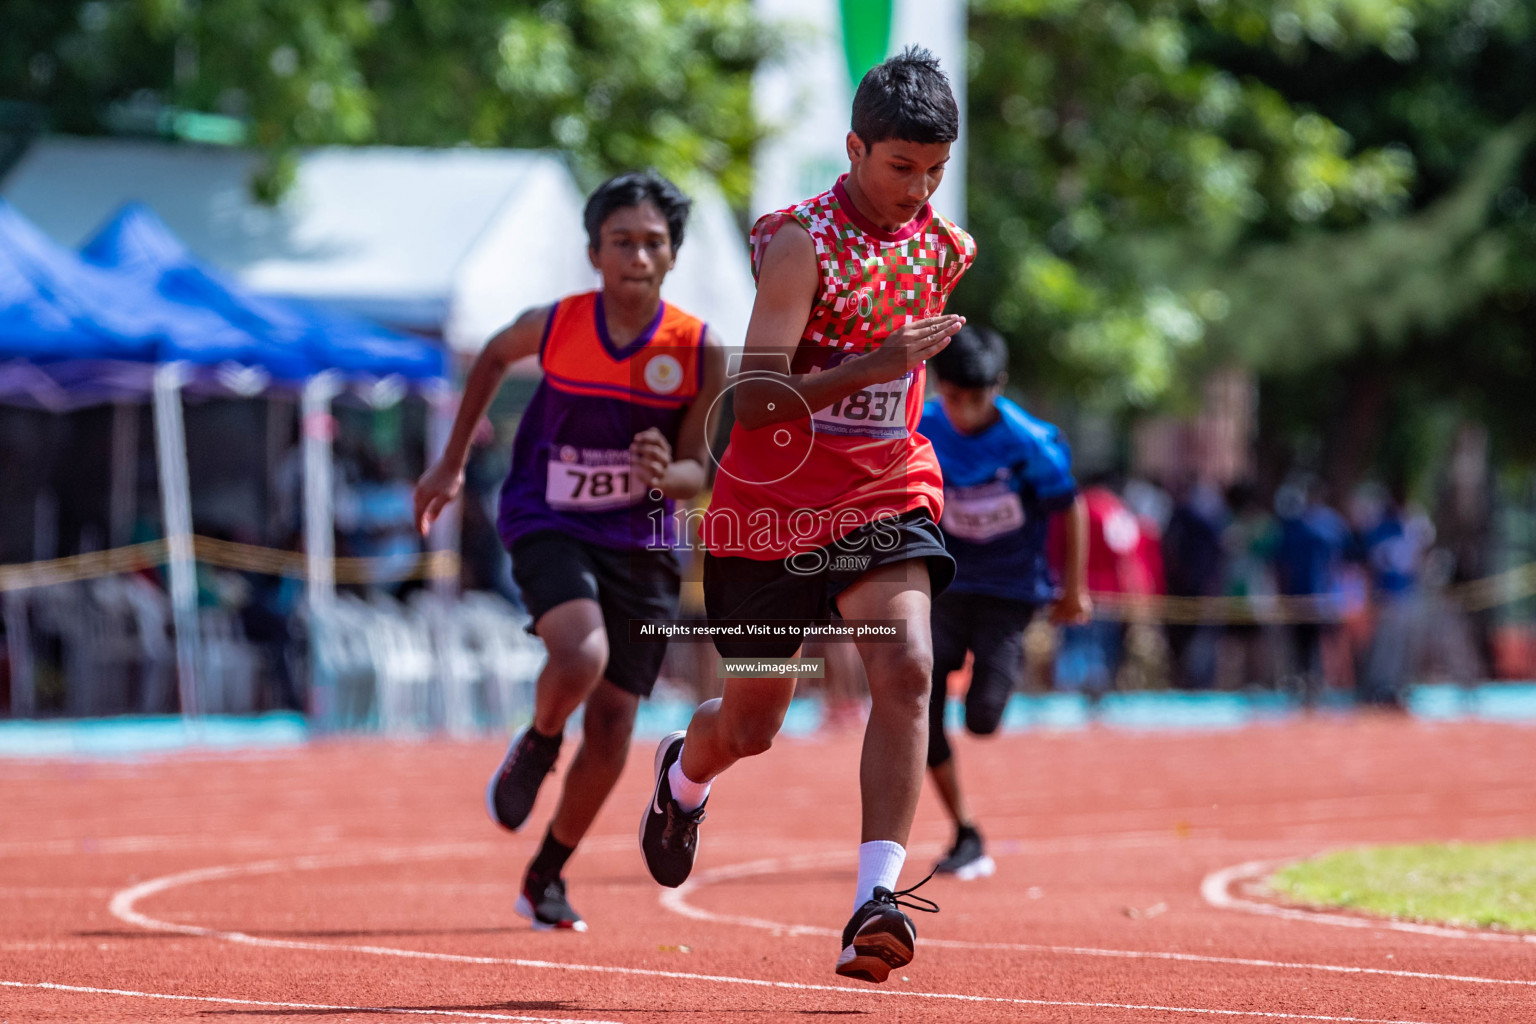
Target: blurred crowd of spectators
(1379,616)
(1381,579)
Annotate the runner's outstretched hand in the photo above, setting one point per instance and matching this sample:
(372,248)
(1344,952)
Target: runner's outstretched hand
(909,345)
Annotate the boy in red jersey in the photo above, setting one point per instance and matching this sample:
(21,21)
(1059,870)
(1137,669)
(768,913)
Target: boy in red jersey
(827,497)
(614,433)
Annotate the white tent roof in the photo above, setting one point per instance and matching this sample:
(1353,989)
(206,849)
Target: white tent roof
(457,241)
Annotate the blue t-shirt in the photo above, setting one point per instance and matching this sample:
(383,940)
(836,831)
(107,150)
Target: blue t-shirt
(1000,488)
(1392,552)
(1310,550)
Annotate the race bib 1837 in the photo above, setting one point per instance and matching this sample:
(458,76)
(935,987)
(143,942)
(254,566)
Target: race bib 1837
(588,480)
(877,411)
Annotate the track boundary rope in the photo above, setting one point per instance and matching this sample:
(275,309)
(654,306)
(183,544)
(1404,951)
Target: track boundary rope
(430,565)
(1501,588)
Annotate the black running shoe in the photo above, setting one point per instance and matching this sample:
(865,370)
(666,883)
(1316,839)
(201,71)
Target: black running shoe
(543,903)
(669,835)
(967,859)
(879,937)
(510,793)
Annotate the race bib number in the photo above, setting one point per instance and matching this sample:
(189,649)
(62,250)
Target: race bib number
(878,411)
(589,481)
(981,514)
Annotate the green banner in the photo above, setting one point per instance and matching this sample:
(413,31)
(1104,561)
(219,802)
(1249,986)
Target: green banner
(866,35)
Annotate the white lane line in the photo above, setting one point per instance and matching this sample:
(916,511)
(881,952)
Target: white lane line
(1485,807)
(147,844)
(263,841)
(1219,889)
(676,900)
(123,907)
(474,1015)
(477,1015)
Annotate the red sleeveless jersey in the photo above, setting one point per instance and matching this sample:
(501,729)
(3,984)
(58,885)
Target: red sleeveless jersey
(803,483)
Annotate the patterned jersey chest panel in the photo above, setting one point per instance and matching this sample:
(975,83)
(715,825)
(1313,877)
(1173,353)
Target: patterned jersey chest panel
(870,287)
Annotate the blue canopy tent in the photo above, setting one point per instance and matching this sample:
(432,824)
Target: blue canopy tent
(378,362)
(92,329)
(137,244)
(143,317)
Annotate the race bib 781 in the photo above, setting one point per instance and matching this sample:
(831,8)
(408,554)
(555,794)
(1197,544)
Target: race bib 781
(589,481)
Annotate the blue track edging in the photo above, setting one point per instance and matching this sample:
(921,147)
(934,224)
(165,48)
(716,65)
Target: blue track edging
(135,736)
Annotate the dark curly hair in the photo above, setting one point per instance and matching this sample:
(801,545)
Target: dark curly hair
(907,98)
(631,189)
(976,357)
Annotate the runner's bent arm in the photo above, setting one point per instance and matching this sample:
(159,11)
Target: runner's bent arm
(680,474)
(786,290)
(1075,606)
(442,483)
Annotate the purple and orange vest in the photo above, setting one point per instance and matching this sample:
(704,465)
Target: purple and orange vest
(570,459)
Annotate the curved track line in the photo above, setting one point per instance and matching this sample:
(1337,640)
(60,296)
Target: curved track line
(676,900)
(141,844)
(475,1015)
(1218,890)
(123,906)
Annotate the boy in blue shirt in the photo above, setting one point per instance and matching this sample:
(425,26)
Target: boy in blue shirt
(1005,474)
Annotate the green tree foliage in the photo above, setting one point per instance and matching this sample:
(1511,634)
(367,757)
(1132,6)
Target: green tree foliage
(1317,298)
(1150,178)
(617,83)
(1312,187)
(1435,312)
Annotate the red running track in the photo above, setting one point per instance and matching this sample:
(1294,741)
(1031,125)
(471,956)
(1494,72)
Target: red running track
(360,881)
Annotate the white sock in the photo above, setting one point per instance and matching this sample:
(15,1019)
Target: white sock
(879,864)
(688,794)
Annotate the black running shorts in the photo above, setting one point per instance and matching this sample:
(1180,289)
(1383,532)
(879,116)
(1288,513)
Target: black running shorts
(551,568)
(803,589)
(992,629)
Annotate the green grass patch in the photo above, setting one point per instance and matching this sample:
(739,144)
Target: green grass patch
(1479,885)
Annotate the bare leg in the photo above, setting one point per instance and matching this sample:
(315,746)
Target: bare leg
(606,728)
(740,723)
(578,653)
(843,687)
(947,781)
(900,677)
